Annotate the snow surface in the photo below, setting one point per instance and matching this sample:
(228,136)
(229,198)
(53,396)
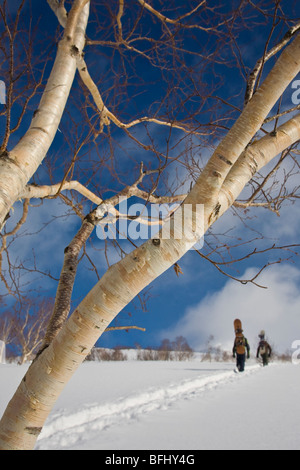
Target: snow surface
(192,405)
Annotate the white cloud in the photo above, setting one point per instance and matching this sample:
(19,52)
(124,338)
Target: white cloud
(285,227)
(276,310)
(40,242)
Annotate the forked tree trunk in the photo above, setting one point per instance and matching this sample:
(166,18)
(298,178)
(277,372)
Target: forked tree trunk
(20,164)
(225,175)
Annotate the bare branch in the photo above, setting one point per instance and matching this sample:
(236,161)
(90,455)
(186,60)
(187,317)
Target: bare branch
(41,192)
(242,281)
(115,328)
(106,116)
(73,17)
(268,55)
(177,22)
(59,10)
(284,113)
(119,18)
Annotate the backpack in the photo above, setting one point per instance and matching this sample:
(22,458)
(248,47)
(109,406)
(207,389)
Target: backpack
(263,348)
(240,344)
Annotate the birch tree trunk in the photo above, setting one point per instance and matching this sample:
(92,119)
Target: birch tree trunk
(20,164)
(224,177)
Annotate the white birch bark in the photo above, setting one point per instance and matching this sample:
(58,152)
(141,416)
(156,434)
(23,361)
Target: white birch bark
(255,158)
(47,376)
(20,164)
(208,185)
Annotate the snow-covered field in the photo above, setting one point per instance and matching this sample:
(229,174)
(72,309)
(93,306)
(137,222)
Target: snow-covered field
(190,405)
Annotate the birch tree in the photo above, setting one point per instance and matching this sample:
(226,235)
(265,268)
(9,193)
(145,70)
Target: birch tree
(242,151)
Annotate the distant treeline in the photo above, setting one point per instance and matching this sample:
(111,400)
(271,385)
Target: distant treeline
(178,350)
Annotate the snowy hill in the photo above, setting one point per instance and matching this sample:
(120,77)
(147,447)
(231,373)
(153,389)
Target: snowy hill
(171,405)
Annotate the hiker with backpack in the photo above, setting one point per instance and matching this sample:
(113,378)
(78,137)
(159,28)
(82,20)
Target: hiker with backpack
(264,350)
(240,347)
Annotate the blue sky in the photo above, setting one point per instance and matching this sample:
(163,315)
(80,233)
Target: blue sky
(202,301)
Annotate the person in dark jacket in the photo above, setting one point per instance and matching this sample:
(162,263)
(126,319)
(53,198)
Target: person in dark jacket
(264,350)
(240,347)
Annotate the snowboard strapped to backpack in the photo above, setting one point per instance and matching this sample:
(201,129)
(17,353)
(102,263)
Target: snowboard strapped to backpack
(240,341)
